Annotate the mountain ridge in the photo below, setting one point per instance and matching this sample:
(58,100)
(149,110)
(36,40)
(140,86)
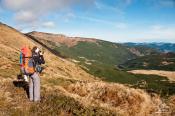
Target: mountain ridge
(69,41)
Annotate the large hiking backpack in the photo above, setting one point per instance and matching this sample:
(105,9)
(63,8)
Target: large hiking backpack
(38,60)
(26,60)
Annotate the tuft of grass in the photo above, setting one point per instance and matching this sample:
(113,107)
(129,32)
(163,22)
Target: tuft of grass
(171,104)
(60,81)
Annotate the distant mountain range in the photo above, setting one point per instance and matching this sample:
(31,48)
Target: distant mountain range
(162,47)
(97,57)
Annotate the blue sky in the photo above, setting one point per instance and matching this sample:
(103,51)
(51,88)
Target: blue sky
(111,20)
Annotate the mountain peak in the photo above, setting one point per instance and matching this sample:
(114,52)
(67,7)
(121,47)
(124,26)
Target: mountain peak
(60,38)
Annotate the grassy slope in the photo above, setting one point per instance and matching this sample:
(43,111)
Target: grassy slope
(102,51)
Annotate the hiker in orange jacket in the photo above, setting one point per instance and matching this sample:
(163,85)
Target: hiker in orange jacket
(30,62)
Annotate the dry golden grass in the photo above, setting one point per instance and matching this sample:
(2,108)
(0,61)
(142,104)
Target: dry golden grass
(116,97)
(171,104)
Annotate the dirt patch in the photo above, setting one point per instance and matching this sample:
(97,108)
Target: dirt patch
(166,63)
(169,74)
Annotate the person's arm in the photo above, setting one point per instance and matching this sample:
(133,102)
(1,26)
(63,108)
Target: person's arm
(42,59)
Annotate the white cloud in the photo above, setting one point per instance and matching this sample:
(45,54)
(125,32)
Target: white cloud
(15,5)
(48,24)
(32,11)
(164,32)
(25,16)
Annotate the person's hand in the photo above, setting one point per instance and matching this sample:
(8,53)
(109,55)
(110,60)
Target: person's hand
(40,53)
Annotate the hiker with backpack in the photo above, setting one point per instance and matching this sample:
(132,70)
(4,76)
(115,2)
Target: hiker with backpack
(34,85)
(32,60)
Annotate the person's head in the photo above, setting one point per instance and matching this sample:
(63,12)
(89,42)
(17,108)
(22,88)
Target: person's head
(35,49)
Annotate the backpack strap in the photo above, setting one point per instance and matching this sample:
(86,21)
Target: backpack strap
(21,59)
